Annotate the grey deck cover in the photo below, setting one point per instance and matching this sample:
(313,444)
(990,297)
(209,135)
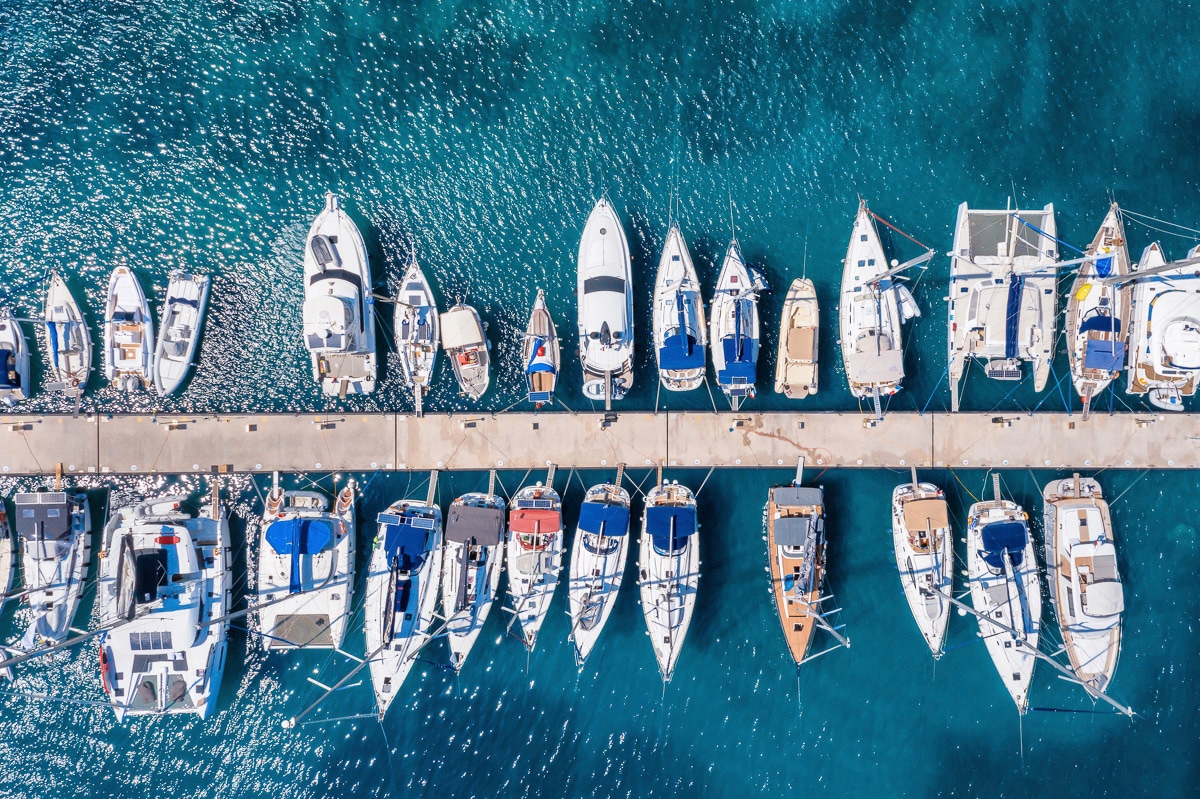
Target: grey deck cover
(798,495)
(48,510)
(470,524)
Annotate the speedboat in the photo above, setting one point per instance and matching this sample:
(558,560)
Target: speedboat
(535,550)
(1085,584)
(597,564)
(339,309)
(55,529)
(796,361)
(305,569)
(164,594)
(680,335)
(1164,330)
(467,347)
(1097,312)
(1003,294)
(179,330)
(402,593)
(924,548)
(796,549)
(669,570)
(605,291)
(14,361)
(733,327)
(471,569)
(128,333)
(1005,590)
(539,353)
(417,333)
(68,341)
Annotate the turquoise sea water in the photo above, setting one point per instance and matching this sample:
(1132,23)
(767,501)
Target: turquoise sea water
(168,134)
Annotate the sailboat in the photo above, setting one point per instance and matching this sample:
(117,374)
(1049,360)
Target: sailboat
(680,335)
(1003,294)
(796,551)
(14,361)
(597,563)
(7,558)
(128,333)
(605,293)
(1085,584)
(796,361)
(1164,330)
(339,308)
(1005,589)
(471,568)
(733,327)
(179,330)
(55,530)
(1098,312)
(539,353)
(669,570)
(417,333)
(535,553)
(164,589)
(924,548)
(305,569)
(467,347)
(68,342)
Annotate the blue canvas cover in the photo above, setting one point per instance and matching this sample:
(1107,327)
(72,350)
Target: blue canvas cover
(679,351)
(1104,266)
(297,537)
(658,525)
(1105,323)
(613,518)
(405,543)
(1001,537)
(1108,356)
(1012,319)
(739,368)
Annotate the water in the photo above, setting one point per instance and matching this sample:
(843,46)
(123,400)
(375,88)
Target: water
(159,135)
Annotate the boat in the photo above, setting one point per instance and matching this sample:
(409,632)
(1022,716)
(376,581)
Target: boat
(1164,330)
(668,570)
(68,341)
(55,531)
(597,563)
(8,559)
(471,567)
(339,309)
(733,327)
(680,334)
(402,593)
(128,333)
(179,330)
(540,354)
(15,375)
(164,593)
(417,332)
(1005,590)
(305,569)
(605,292)
(1097,315)
(924,548)
(535,554)
(467,346)
(796,550)
(796,361)
(1003,294)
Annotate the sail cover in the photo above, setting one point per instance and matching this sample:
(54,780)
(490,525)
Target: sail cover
(470,524)
(1001,537)
(669,526)
(597,518)
(680,351)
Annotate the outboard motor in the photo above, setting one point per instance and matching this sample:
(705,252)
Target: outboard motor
(324,252)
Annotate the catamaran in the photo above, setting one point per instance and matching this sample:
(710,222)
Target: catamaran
(1097,314)
(128,333)
(535,551)
(1164,330)
(55,529)
(68,342)
(539,353)
(179,330)
(1085,584)
(339,309)
(924,548)
(164,590)
(680,336)
(1003,294)
(1005,589)
(467,347)
(597,563)
(733,327)
(471,568)
(14,361)
(305,569)
(796,361)
(669,570)
(605,292)
(416,326)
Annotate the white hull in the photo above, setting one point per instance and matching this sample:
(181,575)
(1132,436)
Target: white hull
(924,547)
(680,333)
(597,566)
(869,315)
(535,554)
(540,354)
(7,557)
(417,331)
(15,374)
(799,334)
(1164,333)
(668,580)
(466,346)
(470,578)
(56,547)
(605,293)
(733,328)
(128,333)
(67,339)
(179,330)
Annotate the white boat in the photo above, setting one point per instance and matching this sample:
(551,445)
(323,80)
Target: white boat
(796,361)
(1005,589)
(179,330)
(733,327)
(471,569)
(1003,294)
(68,341)
(597,564)
(128,333)
(1097,316)
(7,558)
(924,546)
(680,334)
(1164,330)
(164,590)
(1085,584)
(669,570)
(466,345)
(605,293)
(305,569)
(540,354)
(55,530)
(416,329)
(339,309)
(402,593)
(535,555)
(15,374)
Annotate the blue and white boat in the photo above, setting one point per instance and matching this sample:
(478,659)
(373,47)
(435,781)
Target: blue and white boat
(680,335)
(55,529)
(540,354)
(597,563)
(734,331)
(68,342)
(471,569)
(669,570)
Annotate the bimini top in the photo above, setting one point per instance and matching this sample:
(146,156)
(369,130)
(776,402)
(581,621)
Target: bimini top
(535,521)
(680,351)
(460,328)
(469,524)
(405,537)
(659,522)
(797,531)
(1001,537)
(791,496)
(300,536)
(44,513)
(922,513)
(599,518)
(738,364)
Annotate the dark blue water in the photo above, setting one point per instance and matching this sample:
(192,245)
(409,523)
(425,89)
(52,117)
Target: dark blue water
(167,134)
